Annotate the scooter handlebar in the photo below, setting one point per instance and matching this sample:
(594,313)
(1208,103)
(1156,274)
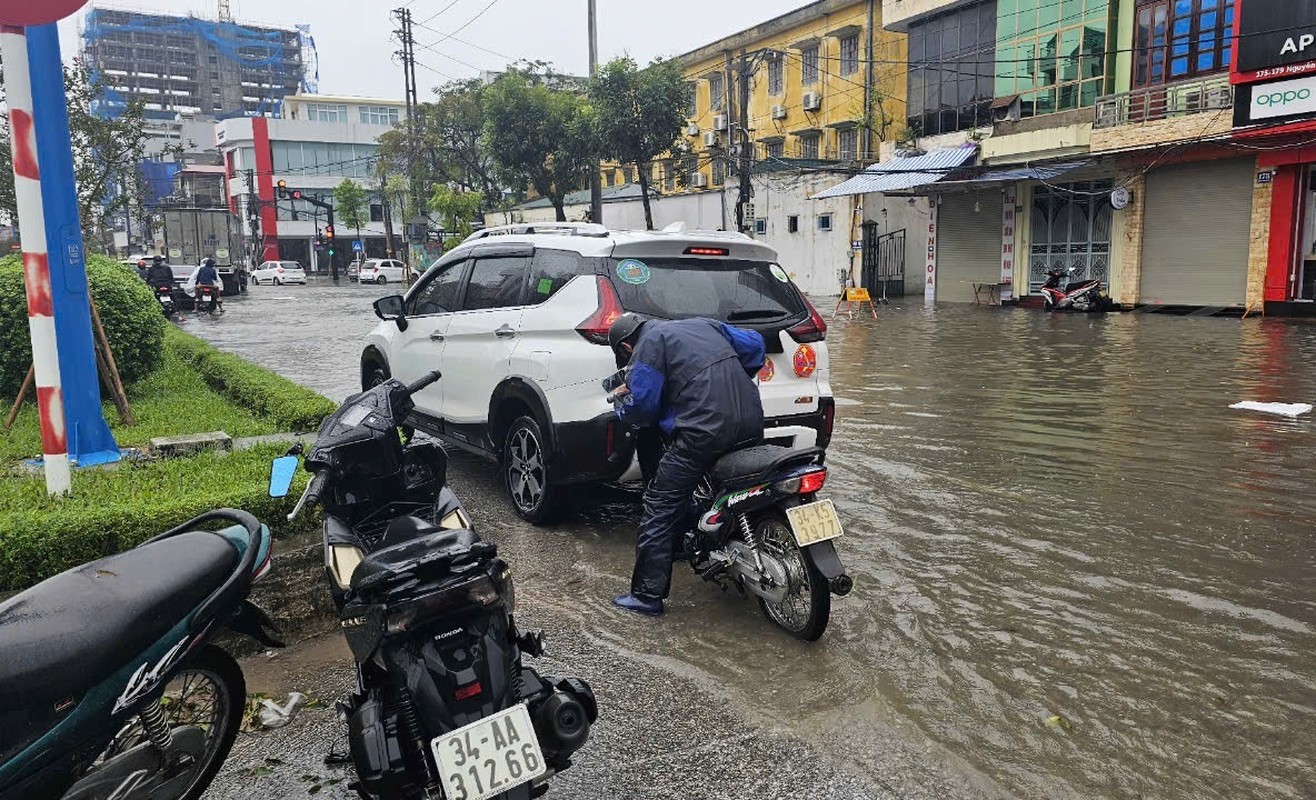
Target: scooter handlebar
(425,380)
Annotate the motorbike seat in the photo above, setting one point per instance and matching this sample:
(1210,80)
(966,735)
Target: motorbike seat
(429,549)
(69,633)
(757,464)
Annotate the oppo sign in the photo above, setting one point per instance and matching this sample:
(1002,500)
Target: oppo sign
(1284,98)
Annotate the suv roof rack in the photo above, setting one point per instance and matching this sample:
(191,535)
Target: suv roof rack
(552,228)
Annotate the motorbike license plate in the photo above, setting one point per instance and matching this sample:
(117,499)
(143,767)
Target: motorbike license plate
(490,756)
(815,522)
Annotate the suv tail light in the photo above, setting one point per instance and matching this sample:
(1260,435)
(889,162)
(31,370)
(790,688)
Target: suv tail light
(813,329)
(595,327)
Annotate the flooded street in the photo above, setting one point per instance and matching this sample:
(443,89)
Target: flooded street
(1078,572)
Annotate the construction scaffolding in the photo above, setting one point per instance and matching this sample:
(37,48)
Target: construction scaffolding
(186,65)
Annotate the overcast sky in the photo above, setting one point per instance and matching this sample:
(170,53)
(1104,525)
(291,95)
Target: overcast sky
(353,36)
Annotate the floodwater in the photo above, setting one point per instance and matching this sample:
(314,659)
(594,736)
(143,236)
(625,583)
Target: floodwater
(1079,574)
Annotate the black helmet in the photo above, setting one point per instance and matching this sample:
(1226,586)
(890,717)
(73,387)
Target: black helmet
(624,330)
(156,259)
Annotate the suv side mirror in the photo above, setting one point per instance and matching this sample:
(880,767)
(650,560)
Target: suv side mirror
(392,308)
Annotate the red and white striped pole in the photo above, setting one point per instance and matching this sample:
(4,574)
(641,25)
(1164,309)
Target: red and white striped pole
(36,266)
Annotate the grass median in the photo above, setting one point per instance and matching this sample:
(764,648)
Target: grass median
(197,389)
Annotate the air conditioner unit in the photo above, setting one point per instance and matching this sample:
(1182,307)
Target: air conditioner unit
(710,138)
(812,101)
(779,112)
(698,180)
(720,122)
(692,130)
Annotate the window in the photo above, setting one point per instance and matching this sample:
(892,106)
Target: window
(1182,39)
(717,95)
(776,149)
(681,288)
(669,177)
(793,224)
(809,145)
(496,282)
(761,227)
(719,171)
(609,177)
(379,115)
(550,271)
(1054,60)
(439,295)
(951,84)
(326,112)
(691,165)
(809,66)
(850,55)
(376,212)
(848,144)
(776,76)
(824,222)
(691,110)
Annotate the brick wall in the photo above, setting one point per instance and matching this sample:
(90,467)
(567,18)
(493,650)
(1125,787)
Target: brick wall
(1162,131)
(1129,288)
(1258,254)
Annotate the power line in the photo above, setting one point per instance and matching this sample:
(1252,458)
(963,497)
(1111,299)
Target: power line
(436,14)
(468,22)
(460,40)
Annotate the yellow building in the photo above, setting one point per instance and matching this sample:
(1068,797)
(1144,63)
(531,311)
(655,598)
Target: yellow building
(813,76)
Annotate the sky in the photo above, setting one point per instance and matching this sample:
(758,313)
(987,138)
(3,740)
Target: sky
(356,52)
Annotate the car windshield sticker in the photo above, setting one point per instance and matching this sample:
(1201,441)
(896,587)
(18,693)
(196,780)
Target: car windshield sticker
(779,273)
(634,272)
(546,286)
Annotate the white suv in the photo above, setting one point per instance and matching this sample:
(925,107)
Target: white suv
(517,320)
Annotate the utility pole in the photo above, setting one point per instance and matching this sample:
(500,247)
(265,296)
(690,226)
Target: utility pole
(253,219)
(746,160)
(408,55)
(595,180)
(868,83)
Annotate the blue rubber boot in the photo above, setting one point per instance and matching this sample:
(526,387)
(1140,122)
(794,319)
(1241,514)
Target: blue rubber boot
(650,606)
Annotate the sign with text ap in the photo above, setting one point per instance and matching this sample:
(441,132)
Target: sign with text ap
(1284,98)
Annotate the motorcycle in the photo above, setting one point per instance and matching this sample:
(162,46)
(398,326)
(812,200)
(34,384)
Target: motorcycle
(762,530)
(209,299)
(442,702)
(1081,296)
(110,685)
(165,296)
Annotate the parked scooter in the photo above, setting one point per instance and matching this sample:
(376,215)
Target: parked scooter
(110,686)
(761,529)
(1081,296)
(443,702)
(165,296)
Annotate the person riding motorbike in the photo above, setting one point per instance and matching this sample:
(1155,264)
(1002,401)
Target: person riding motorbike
(159,274)
(208,275)
(694,380)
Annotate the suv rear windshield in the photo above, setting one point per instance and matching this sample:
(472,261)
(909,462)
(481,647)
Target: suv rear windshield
(730,290)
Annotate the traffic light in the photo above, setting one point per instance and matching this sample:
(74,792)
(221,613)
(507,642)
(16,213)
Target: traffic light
(283,190)
(329,233)
(297,194)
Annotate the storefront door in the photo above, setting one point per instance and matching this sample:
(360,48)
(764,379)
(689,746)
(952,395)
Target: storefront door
(1305,274)
(1070,229)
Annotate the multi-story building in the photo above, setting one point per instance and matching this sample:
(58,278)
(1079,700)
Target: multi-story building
(324,140)
(186,66)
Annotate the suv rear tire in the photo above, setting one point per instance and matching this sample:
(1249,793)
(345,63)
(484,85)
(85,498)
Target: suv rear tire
(524,465)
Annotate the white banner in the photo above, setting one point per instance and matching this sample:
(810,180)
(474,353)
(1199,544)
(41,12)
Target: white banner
(1284,98)
(1008,203)
(930,274)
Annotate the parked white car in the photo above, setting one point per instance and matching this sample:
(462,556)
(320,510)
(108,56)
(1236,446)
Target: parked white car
(517,319)
(279,273)
(381,271)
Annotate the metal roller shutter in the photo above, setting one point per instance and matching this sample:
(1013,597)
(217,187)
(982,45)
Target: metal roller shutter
(968,245)
(1195,234)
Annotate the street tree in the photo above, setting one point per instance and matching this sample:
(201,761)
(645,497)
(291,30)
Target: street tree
(456,210)
(538,136)
(108,150)
(350,204)
(639,114)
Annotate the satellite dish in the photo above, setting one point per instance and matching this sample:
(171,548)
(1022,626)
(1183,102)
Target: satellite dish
(27,12)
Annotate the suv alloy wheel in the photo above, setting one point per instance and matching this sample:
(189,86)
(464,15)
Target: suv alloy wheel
(524,465)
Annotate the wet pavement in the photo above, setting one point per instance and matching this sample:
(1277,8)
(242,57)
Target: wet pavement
(1078,573)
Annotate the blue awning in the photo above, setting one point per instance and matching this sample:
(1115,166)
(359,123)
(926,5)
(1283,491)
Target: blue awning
(1003,175)
(901,173)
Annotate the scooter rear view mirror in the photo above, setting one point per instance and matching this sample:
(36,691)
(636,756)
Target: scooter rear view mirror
(282,471)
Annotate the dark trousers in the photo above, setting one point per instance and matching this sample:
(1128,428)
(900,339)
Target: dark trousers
(667,515)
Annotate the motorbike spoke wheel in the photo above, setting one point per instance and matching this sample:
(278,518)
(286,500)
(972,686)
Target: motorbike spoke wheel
(807,607)
(203,706)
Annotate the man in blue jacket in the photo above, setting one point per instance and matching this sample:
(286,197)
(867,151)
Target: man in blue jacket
(694,379)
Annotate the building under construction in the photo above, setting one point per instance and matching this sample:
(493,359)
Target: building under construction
(185,66)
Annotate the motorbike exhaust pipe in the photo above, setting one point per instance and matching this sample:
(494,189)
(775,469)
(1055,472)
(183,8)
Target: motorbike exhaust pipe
(562,720)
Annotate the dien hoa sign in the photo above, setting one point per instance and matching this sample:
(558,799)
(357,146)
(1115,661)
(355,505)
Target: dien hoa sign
(1284,98)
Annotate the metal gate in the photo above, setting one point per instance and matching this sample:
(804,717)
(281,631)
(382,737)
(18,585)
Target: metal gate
(1071,229)
(884,262)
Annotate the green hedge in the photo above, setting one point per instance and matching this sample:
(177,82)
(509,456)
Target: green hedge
(254,388)
(132,319)
(112,510)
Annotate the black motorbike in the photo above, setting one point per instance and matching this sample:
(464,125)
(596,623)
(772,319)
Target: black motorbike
(164,295)
(757,525)
(443,702)
(111,685)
